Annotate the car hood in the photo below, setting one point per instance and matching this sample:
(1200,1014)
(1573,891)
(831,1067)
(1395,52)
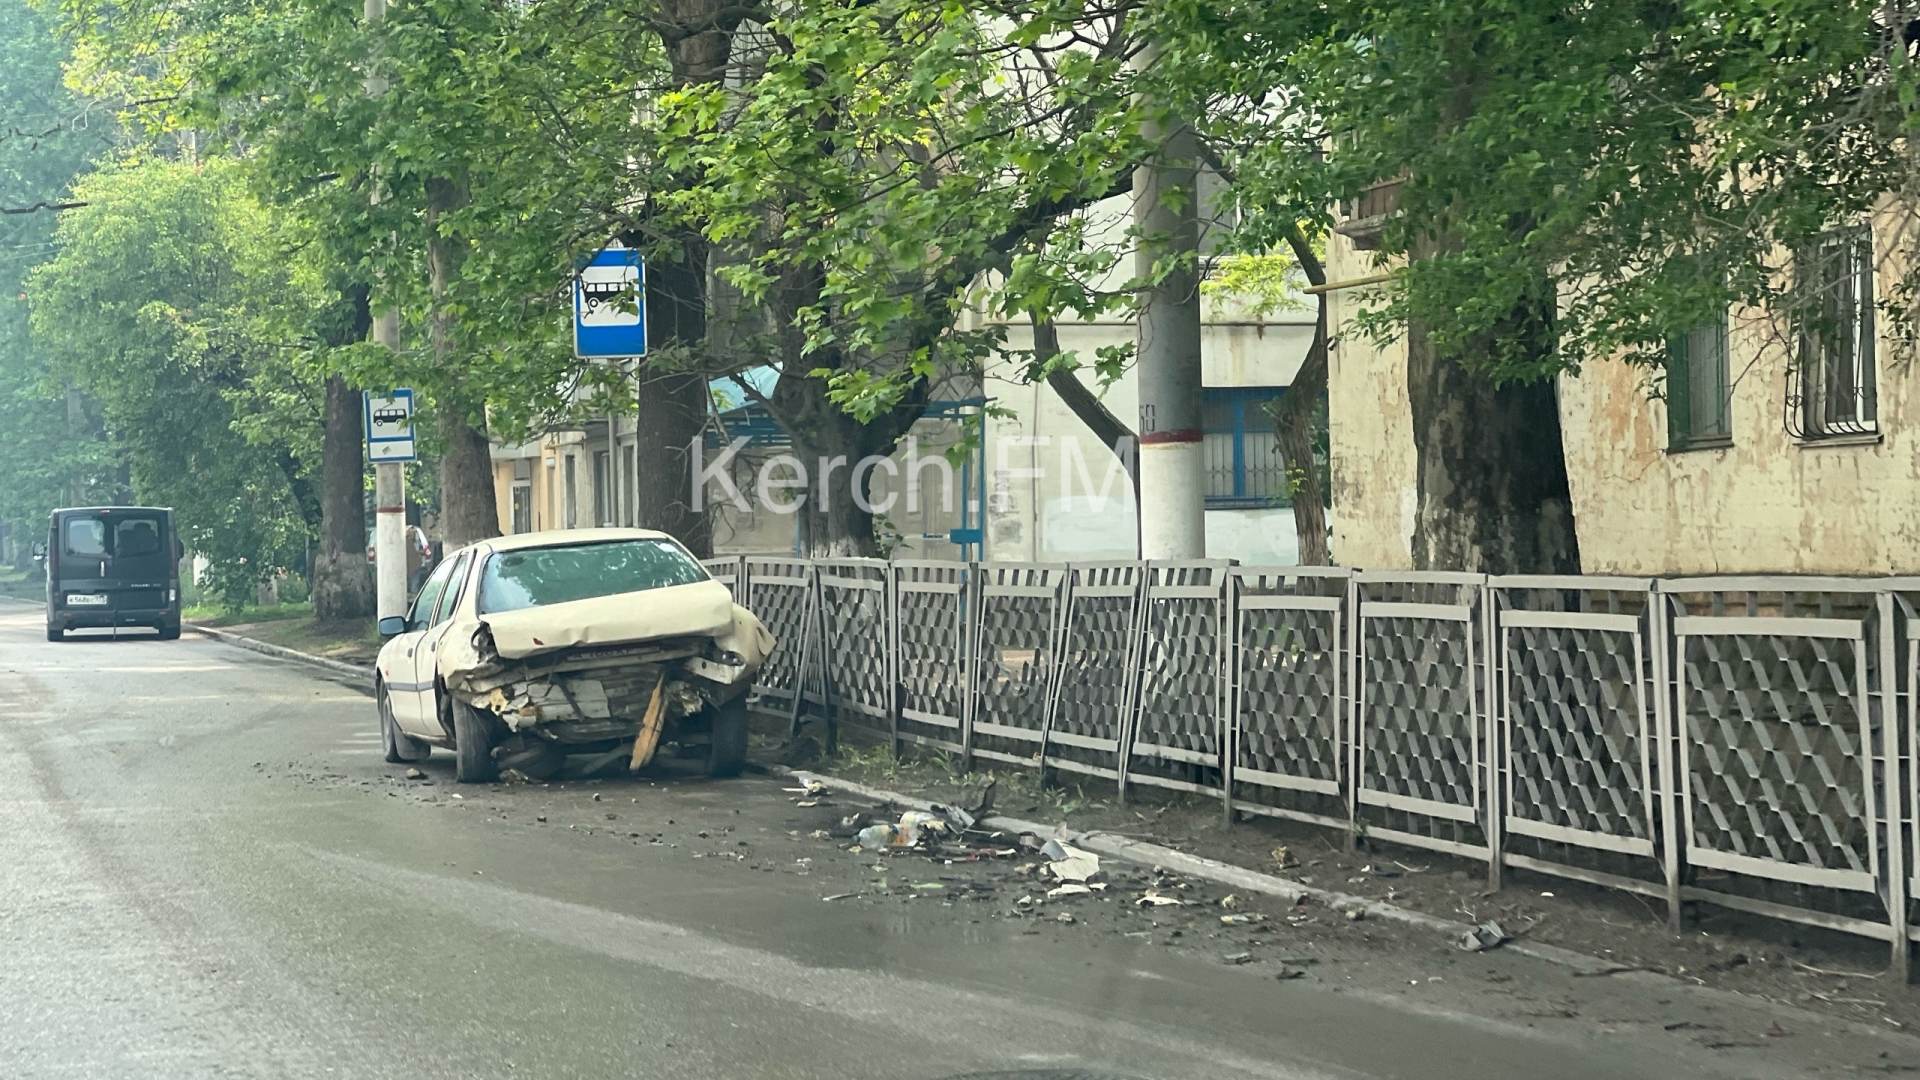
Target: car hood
(704,608)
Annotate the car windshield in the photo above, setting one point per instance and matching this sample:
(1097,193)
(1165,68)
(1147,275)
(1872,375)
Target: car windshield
(536,576)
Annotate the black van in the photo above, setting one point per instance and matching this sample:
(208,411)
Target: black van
(113,566)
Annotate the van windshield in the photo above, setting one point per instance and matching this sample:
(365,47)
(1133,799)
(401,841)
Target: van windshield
(537,576)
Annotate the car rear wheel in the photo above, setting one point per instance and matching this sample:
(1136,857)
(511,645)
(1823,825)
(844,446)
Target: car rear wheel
(399,746)
(55,633)
(472,746)
(169,631)
(728,753)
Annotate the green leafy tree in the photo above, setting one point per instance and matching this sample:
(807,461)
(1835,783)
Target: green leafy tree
(1570,185)
(56,453)
(180,305)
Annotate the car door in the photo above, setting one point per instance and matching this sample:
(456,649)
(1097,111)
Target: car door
(412,703)
(452,575)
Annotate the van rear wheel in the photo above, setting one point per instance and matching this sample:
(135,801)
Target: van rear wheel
(55,633)
(169,631)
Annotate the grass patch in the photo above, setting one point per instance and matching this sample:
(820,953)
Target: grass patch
(350,640)
(23,586)
(211,615)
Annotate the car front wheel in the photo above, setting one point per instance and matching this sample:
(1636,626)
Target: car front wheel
(728,753)
(472,746)
(400,746)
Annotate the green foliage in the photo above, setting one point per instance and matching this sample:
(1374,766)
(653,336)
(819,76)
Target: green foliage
(54,456)
(178,303)
(881,157)
(1580,182)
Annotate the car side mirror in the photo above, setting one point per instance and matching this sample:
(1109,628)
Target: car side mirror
(393,626)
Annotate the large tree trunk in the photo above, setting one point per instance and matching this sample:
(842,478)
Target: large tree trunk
(468,509)
(342,578)
(830,442)
(673,403)
(673,392)
(1293,422)
(1492,473)
(671,416)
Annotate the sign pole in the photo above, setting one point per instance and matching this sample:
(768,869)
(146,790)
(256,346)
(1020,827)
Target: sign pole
(389,477)
(390,506)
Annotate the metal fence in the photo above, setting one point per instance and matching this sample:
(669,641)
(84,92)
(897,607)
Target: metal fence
(1748,742)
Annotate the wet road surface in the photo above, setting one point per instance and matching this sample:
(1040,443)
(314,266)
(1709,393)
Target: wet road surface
(207,870)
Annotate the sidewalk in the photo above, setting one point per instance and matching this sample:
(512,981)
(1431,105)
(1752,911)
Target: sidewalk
(1589,931)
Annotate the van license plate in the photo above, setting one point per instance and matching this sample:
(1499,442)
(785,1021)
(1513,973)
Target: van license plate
(86,599)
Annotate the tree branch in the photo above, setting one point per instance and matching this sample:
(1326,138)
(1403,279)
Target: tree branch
(39,206)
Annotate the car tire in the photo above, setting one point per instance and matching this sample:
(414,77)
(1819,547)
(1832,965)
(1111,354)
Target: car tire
(169,631)
(55,633)
(400,747)
(472,746)
(727,753)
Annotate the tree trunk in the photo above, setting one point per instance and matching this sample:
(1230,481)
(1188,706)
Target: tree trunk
(1492,473)
(342,577)
(468,509)
(673,392)
(1293,432)
(1112,432)
(672,415)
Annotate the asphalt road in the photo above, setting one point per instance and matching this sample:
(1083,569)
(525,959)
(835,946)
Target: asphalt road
(206,870)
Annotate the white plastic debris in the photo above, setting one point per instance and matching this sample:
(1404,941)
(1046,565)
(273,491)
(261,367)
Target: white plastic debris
(1070,889)
(1069,863)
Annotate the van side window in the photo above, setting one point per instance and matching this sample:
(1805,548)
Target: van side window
(85,537)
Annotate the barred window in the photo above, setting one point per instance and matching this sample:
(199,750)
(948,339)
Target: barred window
(1242,454)
(1832,388)
(1699,396)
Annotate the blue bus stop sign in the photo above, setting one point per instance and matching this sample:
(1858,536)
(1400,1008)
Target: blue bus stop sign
(610,305)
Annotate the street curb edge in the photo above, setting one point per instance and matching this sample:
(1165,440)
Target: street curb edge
(281,652)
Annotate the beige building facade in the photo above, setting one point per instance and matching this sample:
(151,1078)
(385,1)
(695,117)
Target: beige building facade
(1768,451)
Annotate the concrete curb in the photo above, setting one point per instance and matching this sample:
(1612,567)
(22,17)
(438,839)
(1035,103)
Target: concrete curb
(334,667)
(1145,854)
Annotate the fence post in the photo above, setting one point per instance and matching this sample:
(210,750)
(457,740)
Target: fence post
(1227,656)
(1495,770)
(1352,733)
(1893,805)
(1665,745)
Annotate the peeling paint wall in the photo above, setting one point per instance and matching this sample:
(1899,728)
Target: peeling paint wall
(1766,504)
(1769,503)
(1370,430)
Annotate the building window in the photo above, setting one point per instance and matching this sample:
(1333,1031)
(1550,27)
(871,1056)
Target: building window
(1699,398)
(522,507)
(1832,388)
(627,478)
(602,489)
(570,495)
(1242,455)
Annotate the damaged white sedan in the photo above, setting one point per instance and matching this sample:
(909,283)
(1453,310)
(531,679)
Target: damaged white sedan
(570,651)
